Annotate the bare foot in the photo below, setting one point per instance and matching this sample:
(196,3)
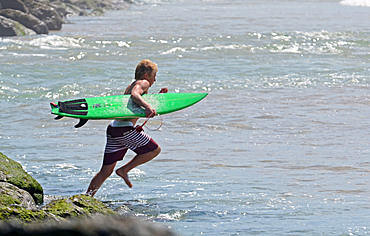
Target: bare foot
(124,176)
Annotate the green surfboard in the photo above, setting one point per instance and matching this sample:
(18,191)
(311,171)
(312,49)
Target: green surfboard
(122,106)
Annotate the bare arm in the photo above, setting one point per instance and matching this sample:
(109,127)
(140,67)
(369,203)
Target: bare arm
(138,90)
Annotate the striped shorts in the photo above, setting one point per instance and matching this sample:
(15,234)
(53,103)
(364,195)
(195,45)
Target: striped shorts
(120,139)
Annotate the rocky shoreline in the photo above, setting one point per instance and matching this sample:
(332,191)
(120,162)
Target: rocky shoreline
(22,211)
(30,17)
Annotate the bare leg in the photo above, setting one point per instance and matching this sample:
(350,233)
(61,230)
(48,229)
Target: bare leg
(99,178)
(136,161)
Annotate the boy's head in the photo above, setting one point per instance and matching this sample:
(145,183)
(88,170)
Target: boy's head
(145,67)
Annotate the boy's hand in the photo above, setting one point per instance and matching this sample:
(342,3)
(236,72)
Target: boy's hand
(150,112)
(164,90)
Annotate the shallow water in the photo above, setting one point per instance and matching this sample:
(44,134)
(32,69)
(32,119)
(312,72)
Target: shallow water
(280,144)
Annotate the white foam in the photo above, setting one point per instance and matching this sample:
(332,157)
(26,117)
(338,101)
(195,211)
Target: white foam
(136,172)
(56,42)
(27,55)
(176,215)
(220,47)
(6,88)
(360,3)
(123,44)
(173,50)
(66,166)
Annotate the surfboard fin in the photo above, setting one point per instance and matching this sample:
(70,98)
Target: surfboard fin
(58,117)
(81,123)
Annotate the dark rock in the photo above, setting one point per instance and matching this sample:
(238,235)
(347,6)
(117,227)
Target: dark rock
(97,225)
(14,4)
(11,195)
(27,20)
(46,13)
(7,27)
(12,172)
(53,13)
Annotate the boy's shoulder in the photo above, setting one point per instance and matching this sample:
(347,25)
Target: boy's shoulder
(143,83)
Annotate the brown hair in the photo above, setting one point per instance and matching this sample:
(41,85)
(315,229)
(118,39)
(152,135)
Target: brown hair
(145,66)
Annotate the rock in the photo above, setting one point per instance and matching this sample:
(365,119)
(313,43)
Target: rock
(7,27)
(46,13)
(14,4)
(21,214)
(25,19)
(67,9)
(11,195)
(87,4)
(52,13)
(97,225)
(12,172)
(58,210)
(88,7)
(119,4)
(77,205)
(100,4)
(77,215)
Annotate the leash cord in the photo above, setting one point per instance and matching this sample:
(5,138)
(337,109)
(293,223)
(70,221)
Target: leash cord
(140,128)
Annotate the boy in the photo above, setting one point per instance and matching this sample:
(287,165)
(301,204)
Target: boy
(121,134)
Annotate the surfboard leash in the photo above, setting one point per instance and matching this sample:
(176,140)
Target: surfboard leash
(140,128)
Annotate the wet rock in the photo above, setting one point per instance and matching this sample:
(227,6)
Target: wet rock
(22,214)
(97,225)
(78,205)
(77,215)
(21,208)
(11,195)
(12,172)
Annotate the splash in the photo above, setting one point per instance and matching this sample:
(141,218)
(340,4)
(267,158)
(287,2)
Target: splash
(56,42)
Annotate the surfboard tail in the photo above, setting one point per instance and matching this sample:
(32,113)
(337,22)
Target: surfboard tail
(54,110)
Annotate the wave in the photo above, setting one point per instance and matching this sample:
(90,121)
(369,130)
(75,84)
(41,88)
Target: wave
(57,42)
(150,2)
(49,42)
(321,42)
(359,3)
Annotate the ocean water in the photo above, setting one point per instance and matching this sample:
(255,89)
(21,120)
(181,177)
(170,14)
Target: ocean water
(279,147)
